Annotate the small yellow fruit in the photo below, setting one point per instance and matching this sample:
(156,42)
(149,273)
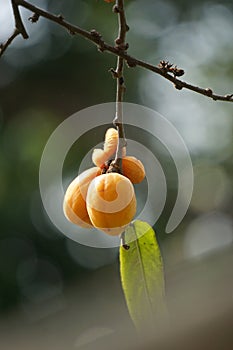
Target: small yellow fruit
(111,203)
(105,200)
(133,169)
(111,139)
(99,156)
(74,205)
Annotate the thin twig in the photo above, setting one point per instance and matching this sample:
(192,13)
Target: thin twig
(94,37)
(18,21)
(19,28)
(120,44)
(7,43)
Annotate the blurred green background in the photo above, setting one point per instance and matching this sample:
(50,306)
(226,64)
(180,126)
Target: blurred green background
(52,75)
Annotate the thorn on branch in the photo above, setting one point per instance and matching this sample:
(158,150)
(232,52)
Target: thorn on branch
(34,18)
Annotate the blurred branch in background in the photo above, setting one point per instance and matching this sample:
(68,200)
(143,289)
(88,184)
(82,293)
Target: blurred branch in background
(96,38)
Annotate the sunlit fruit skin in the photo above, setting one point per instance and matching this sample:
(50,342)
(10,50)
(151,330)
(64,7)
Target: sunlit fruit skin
(103,198)
(74,205)
(133,169)
(111,203)
(99,156)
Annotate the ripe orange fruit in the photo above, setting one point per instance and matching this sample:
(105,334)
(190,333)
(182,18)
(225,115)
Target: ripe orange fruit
(133,169)
(74,205)
(105,200)
(111,203)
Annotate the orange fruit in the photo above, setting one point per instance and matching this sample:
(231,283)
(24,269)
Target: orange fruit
(105,200)
(111,203)
(74,205)
(133,169)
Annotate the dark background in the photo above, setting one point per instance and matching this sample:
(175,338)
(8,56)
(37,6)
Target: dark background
(53,286)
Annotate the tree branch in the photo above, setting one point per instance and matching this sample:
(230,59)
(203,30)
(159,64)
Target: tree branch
(94,37)
(7,43)
(18,21)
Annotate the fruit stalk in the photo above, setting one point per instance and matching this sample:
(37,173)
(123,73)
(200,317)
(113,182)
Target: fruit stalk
(121,46)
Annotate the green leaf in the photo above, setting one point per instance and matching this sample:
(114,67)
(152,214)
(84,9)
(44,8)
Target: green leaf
(142,275)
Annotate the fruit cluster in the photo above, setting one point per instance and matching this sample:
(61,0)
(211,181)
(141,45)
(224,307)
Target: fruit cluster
(104,199)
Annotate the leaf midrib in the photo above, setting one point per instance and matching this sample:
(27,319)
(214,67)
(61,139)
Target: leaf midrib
(147,294)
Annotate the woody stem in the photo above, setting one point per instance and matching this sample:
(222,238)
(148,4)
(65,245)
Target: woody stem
(122,46)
